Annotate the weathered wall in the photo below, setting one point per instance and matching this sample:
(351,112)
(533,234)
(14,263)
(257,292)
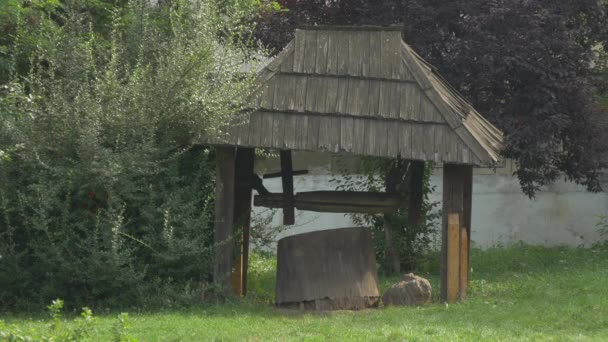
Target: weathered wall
(562,214)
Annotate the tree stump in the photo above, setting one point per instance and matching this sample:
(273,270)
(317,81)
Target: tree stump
(327,270)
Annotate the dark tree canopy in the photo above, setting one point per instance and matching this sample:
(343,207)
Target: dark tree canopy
(525,64)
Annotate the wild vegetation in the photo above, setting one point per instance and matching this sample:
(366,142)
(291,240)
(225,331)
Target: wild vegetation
(105,197)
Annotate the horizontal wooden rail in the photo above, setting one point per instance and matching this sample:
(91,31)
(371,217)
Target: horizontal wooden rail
(336,201)
(278,174)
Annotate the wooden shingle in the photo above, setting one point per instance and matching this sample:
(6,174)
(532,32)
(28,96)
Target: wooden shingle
(362,90)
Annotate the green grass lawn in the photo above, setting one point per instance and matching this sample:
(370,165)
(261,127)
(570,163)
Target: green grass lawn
(519,293)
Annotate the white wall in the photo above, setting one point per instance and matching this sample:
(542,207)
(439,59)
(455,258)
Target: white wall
(562,214)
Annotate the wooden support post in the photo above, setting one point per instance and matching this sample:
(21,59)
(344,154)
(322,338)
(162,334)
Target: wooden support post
(457,193)
(242,215)
(287,180)
(224,216)
(392,178)
(467,206)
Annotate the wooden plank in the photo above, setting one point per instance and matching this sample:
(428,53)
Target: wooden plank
(453,261)
(301,132)
(385,99)
(267,97)
(291,92)
(332,95)
(429,142)
(342,99)
(395,57)
(242,213)
(410,102)
(278,129)
(325,132)
(322,52)
(334,138)
(381,138)
(393,139)
(299,51)
(346,134)
(313,133)
(359,140)
(321,95)
(388,57)
(440,132)
(280,59)
(310,52)
(332,52)
(354,53)
(337,201)
(405,140)
(373,104)
(312,88)
(363,100)
(287,182)
(417,141)
(267,130)
(342,55)
(300,93)
(289,135)
(364,50)
(287,64)
(224,217)
(281,84)
(370,137)
(395,101)
(473,145)
(353,95)
(375,54)
(255,129)
(404,72)
(414,66)
(446,111)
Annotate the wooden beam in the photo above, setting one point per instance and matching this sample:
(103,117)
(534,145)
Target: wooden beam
(242,213)
(258,185)
(414,213)
(224,216)
(287,181)
(278,174)
(457,193)
(336,201)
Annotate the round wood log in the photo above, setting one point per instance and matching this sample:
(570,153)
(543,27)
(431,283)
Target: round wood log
(327,270)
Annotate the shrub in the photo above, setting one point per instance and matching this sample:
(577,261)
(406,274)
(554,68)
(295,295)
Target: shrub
(105,197)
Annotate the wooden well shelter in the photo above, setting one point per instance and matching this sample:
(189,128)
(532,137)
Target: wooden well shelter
(361,91)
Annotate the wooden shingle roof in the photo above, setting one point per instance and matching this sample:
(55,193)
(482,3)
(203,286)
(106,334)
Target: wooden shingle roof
(363,90)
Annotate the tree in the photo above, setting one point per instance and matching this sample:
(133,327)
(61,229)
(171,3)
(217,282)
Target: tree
(526,65)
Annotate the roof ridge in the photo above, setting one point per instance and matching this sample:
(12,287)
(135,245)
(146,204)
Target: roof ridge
(390,27)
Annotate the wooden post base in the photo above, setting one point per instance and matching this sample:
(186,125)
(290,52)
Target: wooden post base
(456,232)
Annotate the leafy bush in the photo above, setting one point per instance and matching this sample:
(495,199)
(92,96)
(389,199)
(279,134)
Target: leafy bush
(105,198)
(412,242)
